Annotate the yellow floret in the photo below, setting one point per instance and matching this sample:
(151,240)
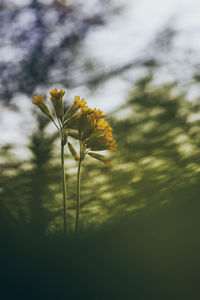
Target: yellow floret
(56,95)
(80,103)
(38,99)
(102,124)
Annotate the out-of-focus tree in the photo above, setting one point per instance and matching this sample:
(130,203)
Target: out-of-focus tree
(41,42)
(9,168)
(43,176)
(29,188)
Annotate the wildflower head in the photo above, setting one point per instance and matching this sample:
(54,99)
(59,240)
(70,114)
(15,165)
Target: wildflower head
(88,120)
(93,131)
(72,115)
(56,98)
(56,95)
(39,101)
(80,103)
(98,114)
(101,138)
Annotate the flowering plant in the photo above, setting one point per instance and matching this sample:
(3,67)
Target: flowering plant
(84,124)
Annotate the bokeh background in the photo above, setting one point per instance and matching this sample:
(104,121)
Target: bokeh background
(139,61)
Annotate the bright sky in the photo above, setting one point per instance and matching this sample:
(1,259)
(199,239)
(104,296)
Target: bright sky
(125,37)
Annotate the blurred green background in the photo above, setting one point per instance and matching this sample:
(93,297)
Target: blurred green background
(139,223)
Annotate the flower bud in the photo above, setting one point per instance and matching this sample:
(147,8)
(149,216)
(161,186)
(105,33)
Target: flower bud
(100,157)
(39,101)
(73,152)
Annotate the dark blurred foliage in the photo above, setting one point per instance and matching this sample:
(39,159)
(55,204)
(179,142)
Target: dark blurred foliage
(146,257)
(140,228)
(43,175)
(41,42)
(157,164)
(26,191)
(158,147)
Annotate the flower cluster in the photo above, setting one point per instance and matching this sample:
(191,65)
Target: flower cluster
(94,133)
(80,122)
(98,133)
(56,98)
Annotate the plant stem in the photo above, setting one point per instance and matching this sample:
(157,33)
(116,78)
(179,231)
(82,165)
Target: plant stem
(55,124)
(78,197)
(64,187)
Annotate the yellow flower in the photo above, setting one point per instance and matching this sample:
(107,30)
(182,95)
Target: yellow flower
(88,120)
(56,98)
(39,101)
(95,132)
(72,112)
(85,110)
(102,125)
(56,95)
(80,103)
(108,142)
(106,139)
(98,114)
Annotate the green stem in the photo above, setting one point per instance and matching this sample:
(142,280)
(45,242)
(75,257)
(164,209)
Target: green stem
(78,197)
(59,122)
(64,187)
(55,124)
